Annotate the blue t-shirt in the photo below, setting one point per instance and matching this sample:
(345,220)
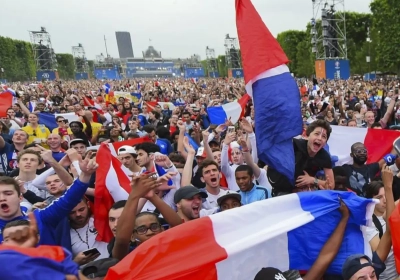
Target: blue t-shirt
(58,155)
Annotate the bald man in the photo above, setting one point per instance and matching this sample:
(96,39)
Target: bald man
(54,142)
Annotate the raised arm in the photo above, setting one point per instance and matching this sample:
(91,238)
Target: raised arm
(331,247)
(188,168)
(60,208)
(386,242)
(182,130)
(141,185)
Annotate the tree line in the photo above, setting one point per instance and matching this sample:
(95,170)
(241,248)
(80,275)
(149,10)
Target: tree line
(382,48)
(18,63)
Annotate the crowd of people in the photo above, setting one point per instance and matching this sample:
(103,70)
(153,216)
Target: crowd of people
(185,168)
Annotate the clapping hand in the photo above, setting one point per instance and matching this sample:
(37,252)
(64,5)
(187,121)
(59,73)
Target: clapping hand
(144,185)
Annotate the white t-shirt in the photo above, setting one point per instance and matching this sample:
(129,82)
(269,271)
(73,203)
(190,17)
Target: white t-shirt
(88,234)
(263,180)
(390,271)
(211,200)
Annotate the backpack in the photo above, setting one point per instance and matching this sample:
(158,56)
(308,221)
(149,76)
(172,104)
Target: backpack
(378,225)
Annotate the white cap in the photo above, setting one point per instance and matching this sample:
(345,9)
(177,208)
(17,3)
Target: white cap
(200,152)
(126,150)
(234,144)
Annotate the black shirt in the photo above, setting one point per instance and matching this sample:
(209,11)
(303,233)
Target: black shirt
(359,177)
(303,162)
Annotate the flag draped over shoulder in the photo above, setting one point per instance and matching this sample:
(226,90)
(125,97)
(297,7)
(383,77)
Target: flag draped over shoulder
(276,96)
(232,110)
(109,173)
(43,262)
(286,232)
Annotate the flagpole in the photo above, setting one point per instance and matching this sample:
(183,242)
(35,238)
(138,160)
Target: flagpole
(105,43)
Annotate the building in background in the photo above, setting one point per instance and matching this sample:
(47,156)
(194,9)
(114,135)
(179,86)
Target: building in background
(124,44)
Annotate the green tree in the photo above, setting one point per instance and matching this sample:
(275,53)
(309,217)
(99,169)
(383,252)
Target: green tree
(289,41)
(66,66)
(16,59)
(222,67)
(91,68)
(386,19)
(204,65)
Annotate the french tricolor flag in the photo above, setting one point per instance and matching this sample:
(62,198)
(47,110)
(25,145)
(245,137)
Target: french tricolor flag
(232,111)
(107,88)
(276,96)
(286,232)
(378,142)
(31,106)
(110,176)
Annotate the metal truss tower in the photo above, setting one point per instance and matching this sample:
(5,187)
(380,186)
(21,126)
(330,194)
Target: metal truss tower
(43,53)
(328,29)
(81,64)
(212,66)
(232,53)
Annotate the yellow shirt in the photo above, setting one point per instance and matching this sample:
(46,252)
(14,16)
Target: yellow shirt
(38,135)
(95,127)
(55,131)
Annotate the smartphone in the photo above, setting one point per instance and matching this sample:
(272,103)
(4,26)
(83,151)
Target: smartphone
(213,126)
(231,129)
(92,251)
(396,145)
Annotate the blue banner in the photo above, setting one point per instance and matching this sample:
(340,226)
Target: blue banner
(194,73)
(46,75)
(213,74)
(81,76)
(107,74)
(337,69)
(237,73)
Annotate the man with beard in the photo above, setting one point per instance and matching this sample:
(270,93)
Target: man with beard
(360,174)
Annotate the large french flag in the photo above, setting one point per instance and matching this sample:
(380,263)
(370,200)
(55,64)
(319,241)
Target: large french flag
(378,142)
(232,111)
(109,174)
(286,232)
(276,96)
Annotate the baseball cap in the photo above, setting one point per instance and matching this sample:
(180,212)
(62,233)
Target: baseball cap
(126,150)
(188,192)
(98,268)
(269,273)
(353,264)
(201,152)
(76,141)
(234,195)
(76,122)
